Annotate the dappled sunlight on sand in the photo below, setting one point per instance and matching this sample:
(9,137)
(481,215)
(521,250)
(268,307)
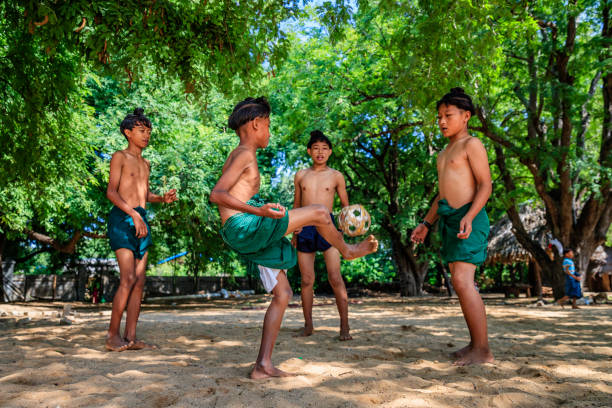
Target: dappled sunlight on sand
(545,357)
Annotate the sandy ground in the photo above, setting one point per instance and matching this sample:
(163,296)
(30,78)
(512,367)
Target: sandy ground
(546,357)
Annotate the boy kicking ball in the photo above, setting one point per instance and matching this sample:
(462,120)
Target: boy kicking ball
(256,230)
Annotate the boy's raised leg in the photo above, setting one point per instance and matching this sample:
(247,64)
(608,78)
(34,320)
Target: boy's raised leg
(133,306)
(318,215)
(272,322)
(472,306)
(306,262)
(332,263)
(125,259)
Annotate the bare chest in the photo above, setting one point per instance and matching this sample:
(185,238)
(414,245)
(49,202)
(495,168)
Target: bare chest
(318,184)
(136,171)
(452,159)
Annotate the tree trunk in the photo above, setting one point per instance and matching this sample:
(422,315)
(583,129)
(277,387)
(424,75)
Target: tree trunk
(552,271)
(411,273)
(535,279)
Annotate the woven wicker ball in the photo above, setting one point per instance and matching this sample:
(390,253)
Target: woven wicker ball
(354,220)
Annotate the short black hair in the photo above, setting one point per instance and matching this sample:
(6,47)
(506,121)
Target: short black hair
(318,136)
(247,110)
(567,251)
(137,118)
(458,98)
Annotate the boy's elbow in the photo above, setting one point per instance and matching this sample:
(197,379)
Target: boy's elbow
(214,197)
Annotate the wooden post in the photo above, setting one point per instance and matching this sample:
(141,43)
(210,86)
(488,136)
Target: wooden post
(2,242)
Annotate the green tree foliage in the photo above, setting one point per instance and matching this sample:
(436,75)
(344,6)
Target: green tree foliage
(346,89)
(47,48)
(548,114)
(540,72)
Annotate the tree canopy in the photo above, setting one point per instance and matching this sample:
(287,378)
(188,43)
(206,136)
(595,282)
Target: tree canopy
(368,76)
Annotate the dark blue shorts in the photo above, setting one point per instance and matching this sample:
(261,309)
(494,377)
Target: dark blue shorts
(309,240)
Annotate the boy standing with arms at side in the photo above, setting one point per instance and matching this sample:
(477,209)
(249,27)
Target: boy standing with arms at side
(128,231)
(256,230)
(319,185)
(464,181)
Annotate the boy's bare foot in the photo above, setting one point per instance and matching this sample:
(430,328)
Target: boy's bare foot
(345,335)
(116,343)
(365,247)
(305,331)
(259,372)
(462,351)
(139,345)
(575,307)
(475,356)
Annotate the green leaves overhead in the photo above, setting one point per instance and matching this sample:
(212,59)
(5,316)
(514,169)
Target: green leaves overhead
(202,43)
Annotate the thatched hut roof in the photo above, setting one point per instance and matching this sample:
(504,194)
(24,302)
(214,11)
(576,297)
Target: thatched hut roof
(503,246)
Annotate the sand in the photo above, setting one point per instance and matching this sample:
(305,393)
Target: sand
(546,357)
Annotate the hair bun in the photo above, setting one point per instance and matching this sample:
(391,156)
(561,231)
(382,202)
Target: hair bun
(457,90)
(138,111)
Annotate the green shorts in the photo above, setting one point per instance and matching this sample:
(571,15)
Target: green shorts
(122,232)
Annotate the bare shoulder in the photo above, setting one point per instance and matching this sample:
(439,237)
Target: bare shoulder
(118,157)
(337,174)
(300,175)
(239,157)
(473,143)
(148,163)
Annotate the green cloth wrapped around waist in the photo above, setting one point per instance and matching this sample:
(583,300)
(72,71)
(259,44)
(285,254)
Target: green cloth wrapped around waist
(260,240)
(471,250)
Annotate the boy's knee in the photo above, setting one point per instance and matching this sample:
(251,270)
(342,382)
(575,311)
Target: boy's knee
(307,281)
(139,281)
(461,285)
(335,281)
(323,213)
(128,281)
(284,295)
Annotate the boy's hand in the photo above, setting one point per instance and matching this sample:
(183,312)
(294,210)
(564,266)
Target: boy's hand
(419,233)
(295,237)
(465,228)
(141,227)
(272,210)
(170,196)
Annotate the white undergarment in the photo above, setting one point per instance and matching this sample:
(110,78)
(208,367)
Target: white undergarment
(268,277)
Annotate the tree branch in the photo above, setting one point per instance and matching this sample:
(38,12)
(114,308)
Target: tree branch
(518,227)
(395,129)
(585,120)
(367,98)
(67,248)
(32,255)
